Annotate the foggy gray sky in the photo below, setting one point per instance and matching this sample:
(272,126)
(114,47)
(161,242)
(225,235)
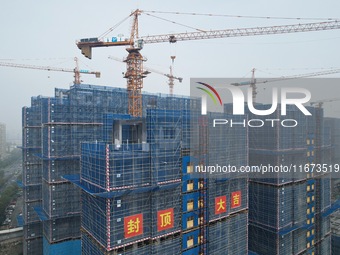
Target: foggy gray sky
(44,33)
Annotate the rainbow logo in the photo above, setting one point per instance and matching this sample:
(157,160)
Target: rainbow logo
(209,92)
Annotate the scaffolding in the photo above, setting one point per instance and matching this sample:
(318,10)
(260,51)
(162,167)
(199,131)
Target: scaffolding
(104,219)
(69,247)
(64,125)
(227,235)
(169,244)
(335,236)
(220,188)
(334,127)
(227,146)
(135,178)
(143,169)
(31,173)
(214,205)
(105,168)
(286,211)
(32,245)
(53,131)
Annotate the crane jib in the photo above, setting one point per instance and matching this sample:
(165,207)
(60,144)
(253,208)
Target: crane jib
(213,34)
(239,32)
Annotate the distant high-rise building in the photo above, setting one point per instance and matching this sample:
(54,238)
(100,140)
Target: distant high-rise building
(289,209)
(3,142)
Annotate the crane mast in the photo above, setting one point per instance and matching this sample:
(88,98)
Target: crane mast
(253,85)
(147,70)
(76,72)
(134,61)
(134,71)
(171,82)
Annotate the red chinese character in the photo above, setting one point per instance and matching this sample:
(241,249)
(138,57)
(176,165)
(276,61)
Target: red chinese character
(165,219)
(236,199)
(220,204)
(133,225)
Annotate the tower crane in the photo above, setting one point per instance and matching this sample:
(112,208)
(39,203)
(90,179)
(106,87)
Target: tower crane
(76,70)
(147,70)
(134,60)
(252,83)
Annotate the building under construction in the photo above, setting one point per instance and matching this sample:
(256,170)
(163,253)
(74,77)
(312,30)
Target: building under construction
(53,129)
(128,169)
(98,181)
(289,212)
